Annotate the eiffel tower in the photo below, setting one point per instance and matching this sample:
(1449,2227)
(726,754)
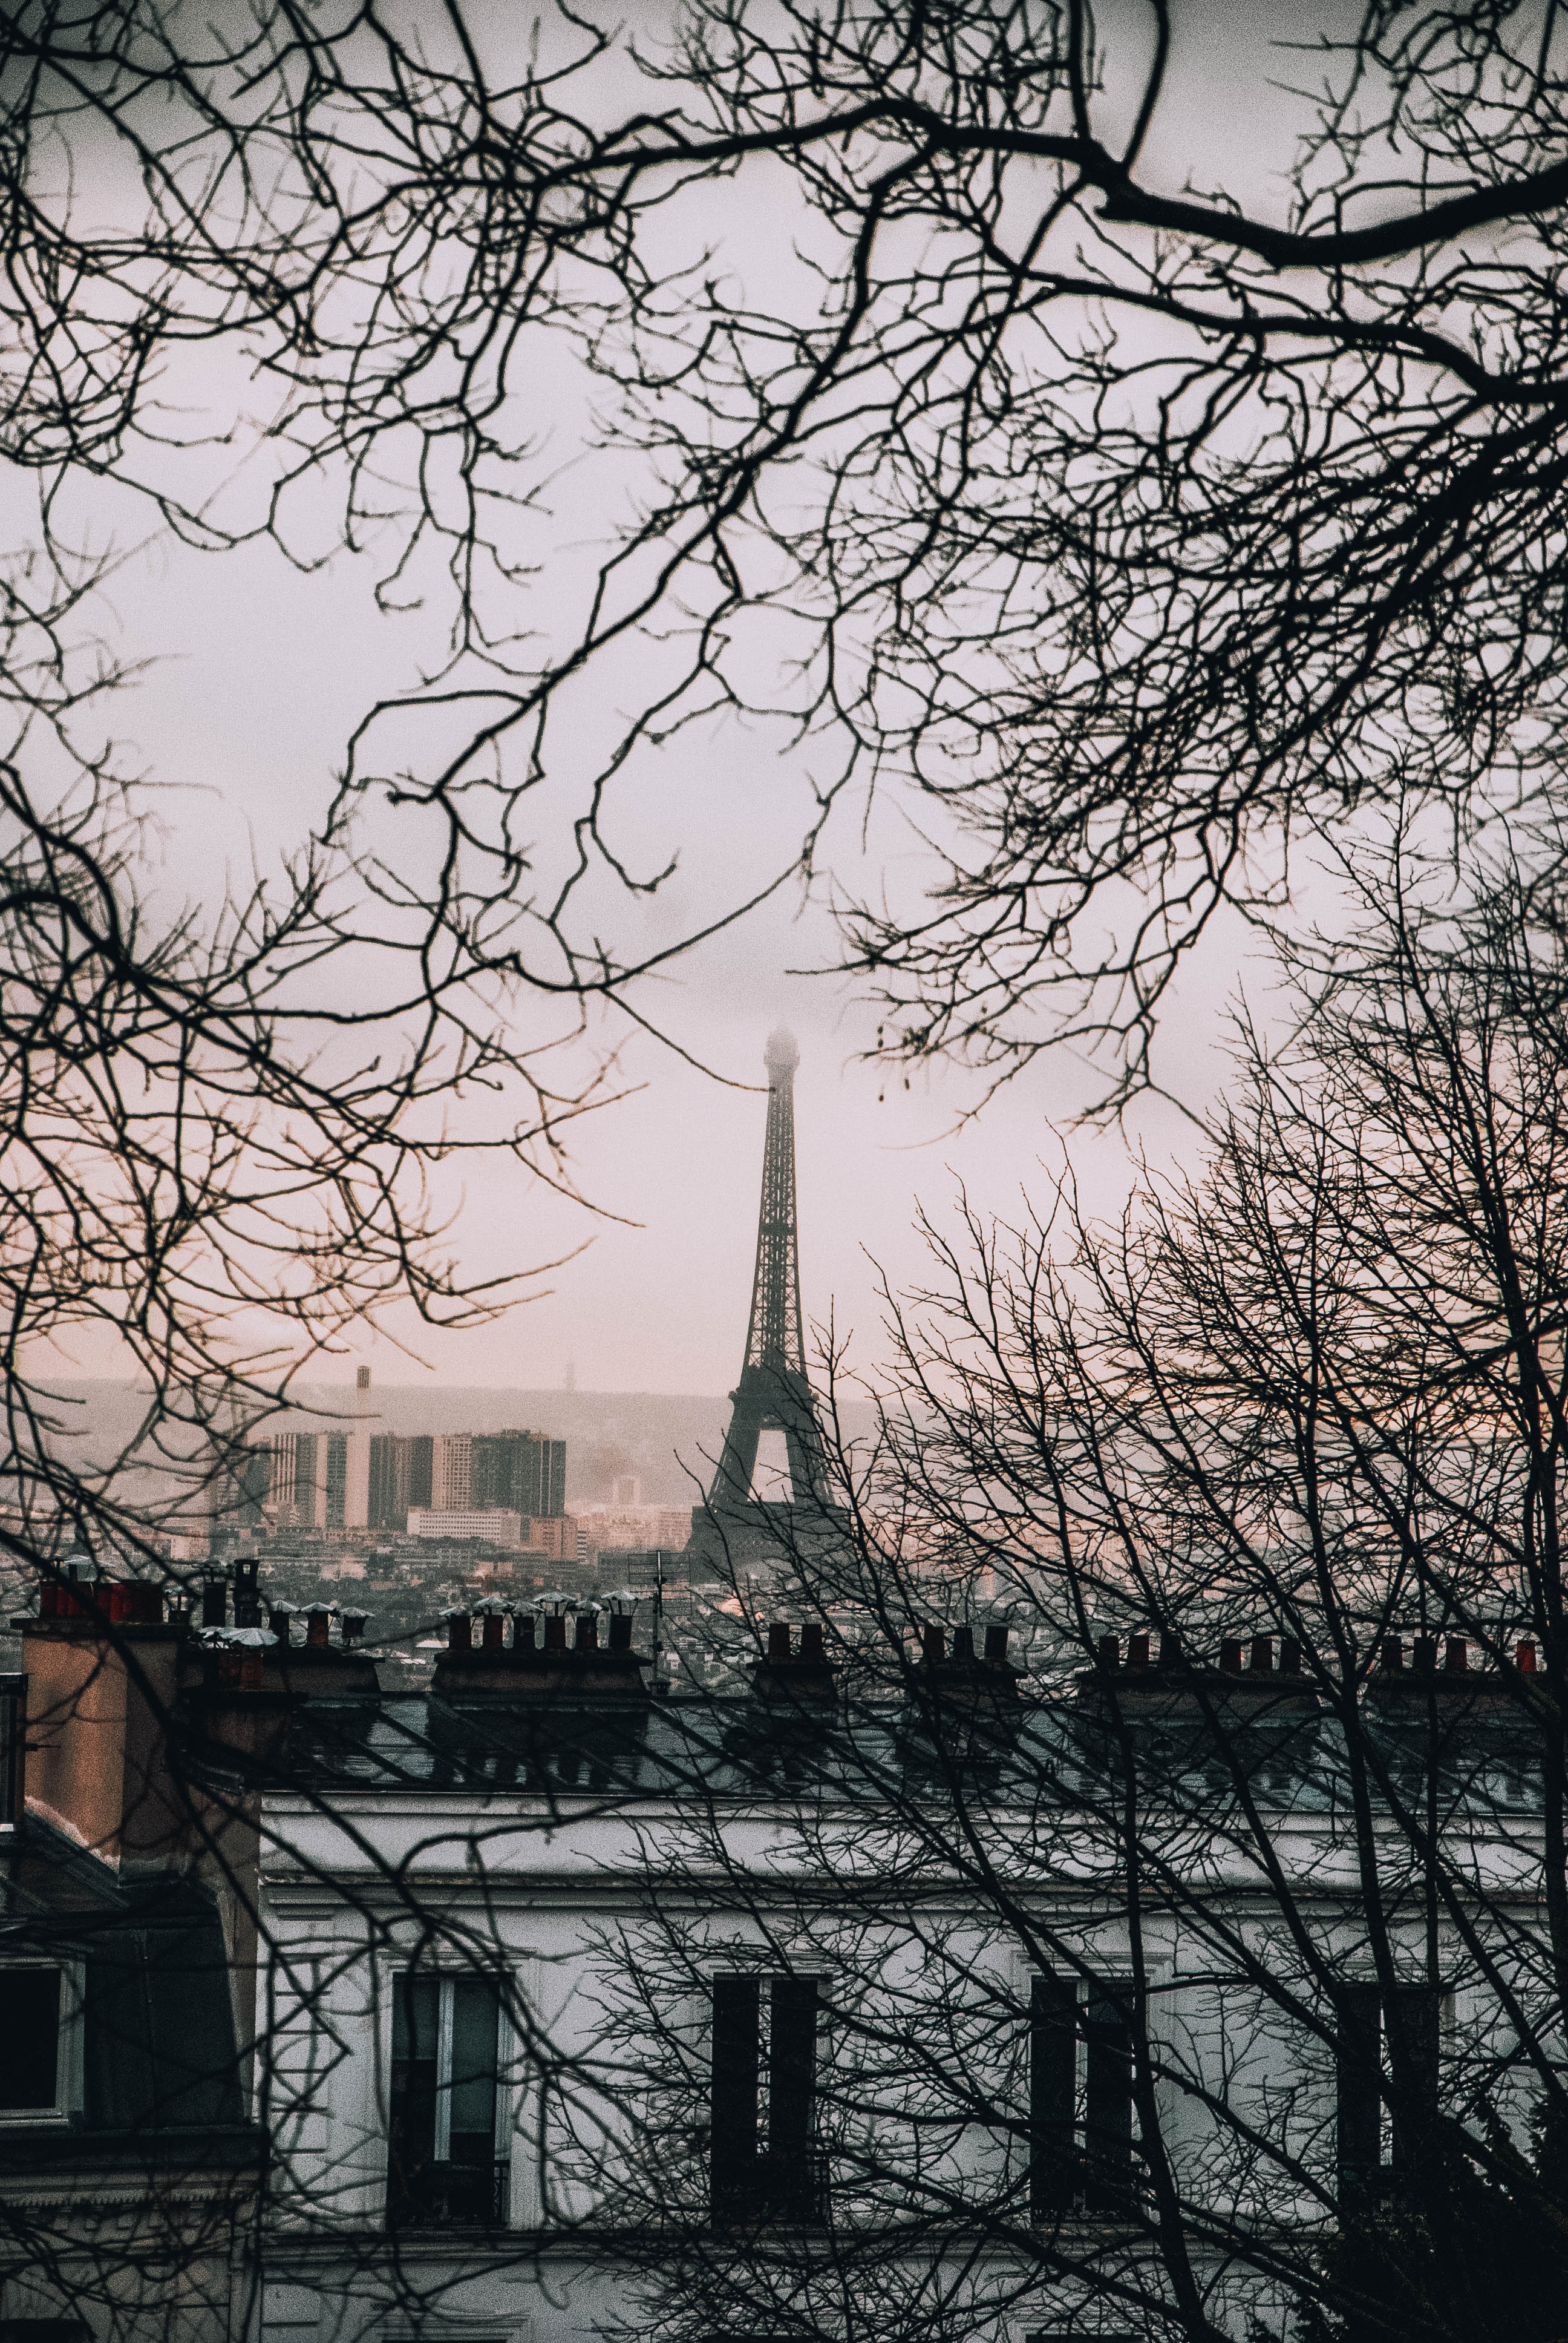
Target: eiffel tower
(773,1394)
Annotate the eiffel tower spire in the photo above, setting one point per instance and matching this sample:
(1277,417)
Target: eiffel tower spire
(773,1393)
(773,1338)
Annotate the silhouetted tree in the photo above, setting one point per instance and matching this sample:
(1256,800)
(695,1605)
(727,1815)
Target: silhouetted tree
(1215,1985)
(1147,530)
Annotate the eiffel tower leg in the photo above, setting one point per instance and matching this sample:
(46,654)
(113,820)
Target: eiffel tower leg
(738,1463)
(807,1481)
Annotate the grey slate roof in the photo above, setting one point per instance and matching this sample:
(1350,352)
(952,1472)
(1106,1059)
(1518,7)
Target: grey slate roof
(1073,1750)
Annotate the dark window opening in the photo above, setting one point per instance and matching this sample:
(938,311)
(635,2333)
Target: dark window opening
(29,2041)
(764,2164)
(1387,2062)
(443,2167)
(1080,2129)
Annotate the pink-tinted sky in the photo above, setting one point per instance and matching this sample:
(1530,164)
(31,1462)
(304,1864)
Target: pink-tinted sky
(262,670)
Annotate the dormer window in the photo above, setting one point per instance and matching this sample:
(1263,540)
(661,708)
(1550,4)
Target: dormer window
(35,2038)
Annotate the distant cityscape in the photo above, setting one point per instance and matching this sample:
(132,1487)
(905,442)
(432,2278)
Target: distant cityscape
(346,1501)
(495,1499)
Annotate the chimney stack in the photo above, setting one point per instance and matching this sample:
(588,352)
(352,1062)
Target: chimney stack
(103,1675)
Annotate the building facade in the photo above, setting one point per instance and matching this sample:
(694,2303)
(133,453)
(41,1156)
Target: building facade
(707,2015)
(583,2006)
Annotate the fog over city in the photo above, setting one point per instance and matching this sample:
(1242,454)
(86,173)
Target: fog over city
(784,1172)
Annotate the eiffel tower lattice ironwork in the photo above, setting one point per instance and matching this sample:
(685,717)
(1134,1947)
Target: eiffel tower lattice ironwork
(773,1393)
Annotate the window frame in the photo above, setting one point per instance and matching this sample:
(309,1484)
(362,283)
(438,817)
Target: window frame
(397,1970)
(69,2071)
(785,2188)
(1078,2200)
(1393,2158)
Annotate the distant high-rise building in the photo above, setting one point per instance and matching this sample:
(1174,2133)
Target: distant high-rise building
(297,1467)
(451,1472)
(520,1472)
(336,1479)
(556,1537)
(386,1496)
(521,1469)
(421,1470)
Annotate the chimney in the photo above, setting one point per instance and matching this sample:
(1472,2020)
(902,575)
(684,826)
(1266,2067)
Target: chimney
(1456,1656)
(1290,1657)
(933,1643)
(1263,1655)
(1110,1651)
(1231,1652)
(214,1601)
(1524,1657)
(963,1647)
(246,1593)
(1391,1653)
(995,1641)
(317,1630)
(786,1674)
(100,1684)
(1137,1651)
(1423,1654)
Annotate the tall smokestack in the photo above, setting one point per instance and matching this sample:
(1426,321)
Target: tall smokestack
(356,1458)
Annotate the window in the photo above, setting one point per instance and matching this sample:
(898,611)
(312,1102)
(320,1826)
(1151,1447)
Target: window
(1387,2055)
(764,2163)
(443,2169)
(1081,2128)
(32,2045)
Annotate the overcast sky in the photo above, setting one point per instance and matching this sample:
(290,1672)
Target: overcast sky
(259,672)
